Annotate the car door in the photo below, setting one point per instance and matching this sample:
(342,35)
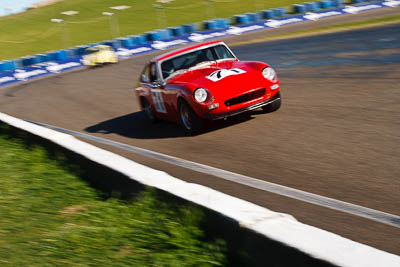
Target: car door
(156,91)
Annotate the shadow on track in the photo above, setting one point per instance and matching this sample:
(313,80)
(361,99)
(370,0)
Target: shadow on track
(136,125)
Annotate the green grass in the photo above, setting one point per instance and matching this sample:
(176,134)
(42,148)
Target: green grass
(51,217)
(32,32)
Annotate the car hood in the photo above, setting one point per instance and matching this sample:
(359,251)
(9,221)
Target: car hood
(223,79)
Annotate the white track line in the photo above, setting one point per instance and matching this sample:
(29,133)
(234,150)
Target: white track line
(375,215)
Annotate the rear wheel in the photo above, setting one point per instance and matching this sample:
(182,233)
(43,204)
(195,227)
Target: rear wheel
(274,106)
(148,111)
(189,119)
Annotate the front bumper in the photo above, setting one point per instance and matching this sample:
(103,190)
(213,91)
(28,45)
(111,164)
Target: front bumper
(224,115)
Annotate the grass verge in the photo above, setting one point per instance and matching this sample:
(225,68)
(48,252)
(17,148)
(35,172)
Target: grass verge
(33,32)
(51,217)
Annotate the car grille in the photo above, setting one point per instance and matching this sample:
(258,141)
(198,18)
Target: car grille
(246,97)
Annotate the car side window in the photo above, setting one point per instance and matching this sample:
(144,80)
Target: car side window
(209,55)
(222,52)
(144,78)
(167,68)
(153,72)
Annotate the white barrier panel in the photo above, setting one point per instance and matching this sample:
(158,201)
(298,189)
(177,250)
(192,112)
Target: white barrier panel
(284,228)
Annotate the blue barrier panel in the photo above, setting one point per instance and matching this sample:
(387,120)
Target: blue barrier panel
(26,61)
(253,17)
(337,3)
(108,42)
(35,60)
(325,4)
(312,6)
(61,55)
(51,56)
(123,42)
(141,39)
(112,43)
(241,19)
(177,31)
(210,25)
(41,58)
(118,42)
(115,43)
(3,66)
(72,53)
(16,63)
(81,49)
(170,33)
(8,65)
(138,39)
(189,28)
(317,6)
(268,14)
(153,36)
(164,34)
(299,8)
(223,23)
(12,64)
(280,12)
(306,7)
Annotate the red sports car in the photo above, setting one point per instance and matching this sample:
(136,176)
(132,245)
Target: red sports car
(205,82)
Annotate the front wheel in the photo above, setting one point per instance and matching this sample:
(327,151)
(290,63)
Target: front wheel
(189,119)
(274,106)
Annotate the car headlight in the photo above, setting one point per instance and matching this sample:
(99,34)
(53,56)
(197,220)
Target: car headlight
(269,73)
(200,94)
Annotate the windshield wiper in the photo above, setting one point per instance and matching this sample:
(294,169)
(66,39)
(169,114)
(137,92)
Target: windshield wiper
(175,73)
(225,59)
(203,63)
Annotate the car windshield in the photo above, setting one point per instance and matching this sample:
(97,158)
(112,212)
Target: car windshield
(91,50)
(179,63)
(95,49)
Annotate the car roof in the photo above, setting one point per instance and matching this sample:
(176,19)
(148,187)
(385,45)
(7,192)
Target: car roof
(183,50)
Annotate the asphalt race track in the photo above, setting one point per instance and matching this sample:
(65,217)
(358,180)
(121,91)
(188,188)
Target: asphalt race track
(336,135)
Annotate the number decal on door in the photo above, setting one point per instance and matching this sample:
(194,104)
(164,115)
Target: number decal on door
(158,101)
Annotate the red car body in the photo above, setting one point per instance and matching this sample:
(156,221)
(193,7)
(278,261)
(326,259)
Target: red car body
(231,86)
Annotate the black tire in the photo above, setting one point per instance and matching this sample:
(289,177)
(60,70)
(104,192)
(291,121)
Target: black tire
(148,111)
(274,106)
(190,122)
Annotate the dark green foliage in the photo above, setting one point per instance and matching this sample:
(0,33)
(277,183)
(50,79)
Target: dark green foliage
(51,217)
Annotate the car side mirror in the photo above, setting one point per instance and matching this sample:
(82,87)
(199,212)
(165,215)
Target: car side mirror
(144,78)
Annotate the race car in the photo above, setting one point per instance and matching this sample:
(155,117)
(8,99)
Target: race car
(205,82)
(99,55)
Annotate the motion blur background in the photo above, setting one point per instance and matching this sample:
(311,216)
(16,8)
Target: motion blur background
(37,30)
